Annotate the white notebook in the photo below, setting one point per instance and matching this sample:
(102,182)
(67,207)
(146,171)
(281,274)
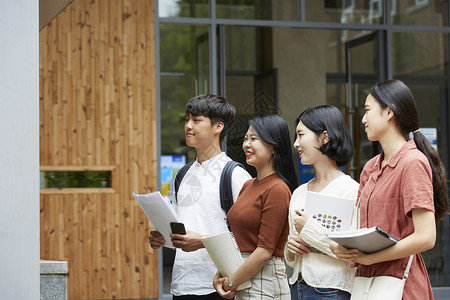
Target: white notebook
(224,252)
(367,240)
(332,212)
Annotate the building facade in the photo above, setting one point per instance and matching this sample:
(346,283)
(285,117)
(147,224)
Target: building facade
(98,145)
(282,57)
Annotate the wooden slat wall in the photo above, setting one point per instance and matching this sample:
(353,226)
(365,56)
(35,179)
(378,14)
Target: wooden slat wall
(97,111)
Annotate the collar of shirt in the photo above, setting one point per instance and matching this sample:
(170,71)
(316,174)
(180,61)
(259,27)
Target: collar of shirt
(211,161)
(409,145)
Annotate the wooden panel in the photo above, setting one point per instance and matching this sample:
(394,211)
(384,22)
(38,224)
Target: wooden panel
(97,112)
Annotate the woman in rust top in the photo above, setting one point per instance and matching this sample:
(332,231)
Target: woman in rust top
(259,218)
(402,190)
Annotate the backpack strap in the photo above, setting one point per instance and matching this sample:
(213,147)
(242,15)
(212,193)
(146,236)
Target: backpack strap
(226,189)
(225,186)
(179,178)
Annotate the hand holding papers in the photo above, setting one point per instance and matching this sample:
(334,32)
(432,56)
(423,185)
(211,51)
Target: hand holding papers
(225,254)
(159,212)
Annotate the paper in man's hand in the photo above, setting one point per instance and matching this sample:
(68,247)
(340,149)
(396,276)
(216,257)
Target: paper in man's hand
(159,212)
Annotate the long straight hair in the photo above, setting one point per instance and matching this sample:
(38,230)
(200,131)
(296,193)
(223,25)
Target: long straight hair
(398,97)
(273,130)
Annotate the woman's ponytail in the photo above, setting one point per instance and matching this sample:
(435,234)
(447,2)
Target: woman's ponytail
(439,179)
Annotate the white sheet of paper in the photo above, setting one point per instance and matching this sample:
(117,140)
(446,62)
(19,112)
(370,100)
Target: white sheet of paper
(159,212)
(331,211)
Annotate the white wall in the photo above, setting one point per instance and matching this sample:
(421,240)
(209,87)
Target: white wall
(19,149)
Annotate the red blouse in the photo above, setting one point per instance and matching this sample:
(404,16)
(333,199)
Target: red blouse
(387,197)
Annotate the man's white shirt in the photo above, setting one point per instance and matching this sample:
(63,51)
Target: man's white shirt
(198,207)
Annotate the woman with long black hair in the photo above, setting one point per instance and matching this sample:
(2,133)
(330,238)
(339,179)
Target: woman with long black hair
(259,218)
(402,190)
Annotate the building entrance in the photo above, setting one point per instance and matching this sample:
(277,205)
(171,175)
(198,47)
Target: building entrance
(284,70)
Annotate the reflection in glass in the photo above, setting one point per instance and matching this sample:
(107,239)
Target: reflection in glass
(183,8)
(364,58)
(293,69)
(436,259)
(420,12)
(419,53)
(250,81)
(184,71)
(428,99)
(336,96)
(257,10)
(334,41)
(242,48)
(345,12)
(75,179)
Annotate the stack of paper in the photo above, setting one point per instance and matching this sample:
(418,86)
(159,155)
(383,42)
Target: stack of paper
(159,212)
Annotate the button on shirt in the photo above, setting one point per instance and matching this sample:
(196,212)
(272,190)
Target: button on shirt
(198,207)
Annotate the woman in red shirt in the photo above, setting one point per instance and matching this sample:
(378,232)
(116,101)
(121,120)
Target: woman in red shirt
(402,190)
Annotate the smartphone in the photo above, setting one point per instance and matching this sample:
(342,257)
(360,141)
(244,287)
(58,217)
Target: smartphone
(177,228)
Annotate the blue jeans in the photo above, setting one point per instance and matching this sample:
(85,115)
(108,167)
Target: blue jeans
(213,296)
(302,291)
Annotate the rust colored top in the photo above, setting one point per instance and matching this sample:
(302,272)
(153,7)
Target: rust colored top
(259,218)
(387,196)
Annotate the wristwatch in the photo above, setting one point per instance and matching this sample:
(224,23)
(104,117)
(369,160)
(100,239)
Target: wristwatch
(230,284)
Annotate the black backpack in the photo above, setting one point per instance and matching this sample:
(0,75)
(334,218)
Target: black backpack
(226,190)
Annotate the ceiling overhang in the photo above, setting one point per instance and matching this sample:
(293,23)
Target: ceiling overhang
(49,9)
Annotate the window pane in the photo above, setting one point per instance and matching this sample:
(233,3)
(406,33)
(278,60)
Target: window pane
(184,73)
(345,11)
(183,8)
(257,10)
(242,48)
(334,41)
(419,53)
(75,179)
(430,99)
(420,12)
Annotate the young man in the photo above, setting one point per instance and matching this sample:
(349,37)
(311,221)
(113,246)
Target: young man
(198,201)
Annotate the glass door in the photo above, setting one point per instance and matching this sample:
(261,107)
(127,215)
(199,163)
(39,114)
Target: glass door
(364,67)
(246,79)
(429,93)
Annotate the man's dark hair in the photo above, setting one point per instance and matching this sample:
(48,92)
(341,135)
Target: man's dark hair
(216,108)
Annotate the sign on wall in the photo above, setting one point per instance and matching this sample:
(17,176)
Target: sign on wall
(170,165)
